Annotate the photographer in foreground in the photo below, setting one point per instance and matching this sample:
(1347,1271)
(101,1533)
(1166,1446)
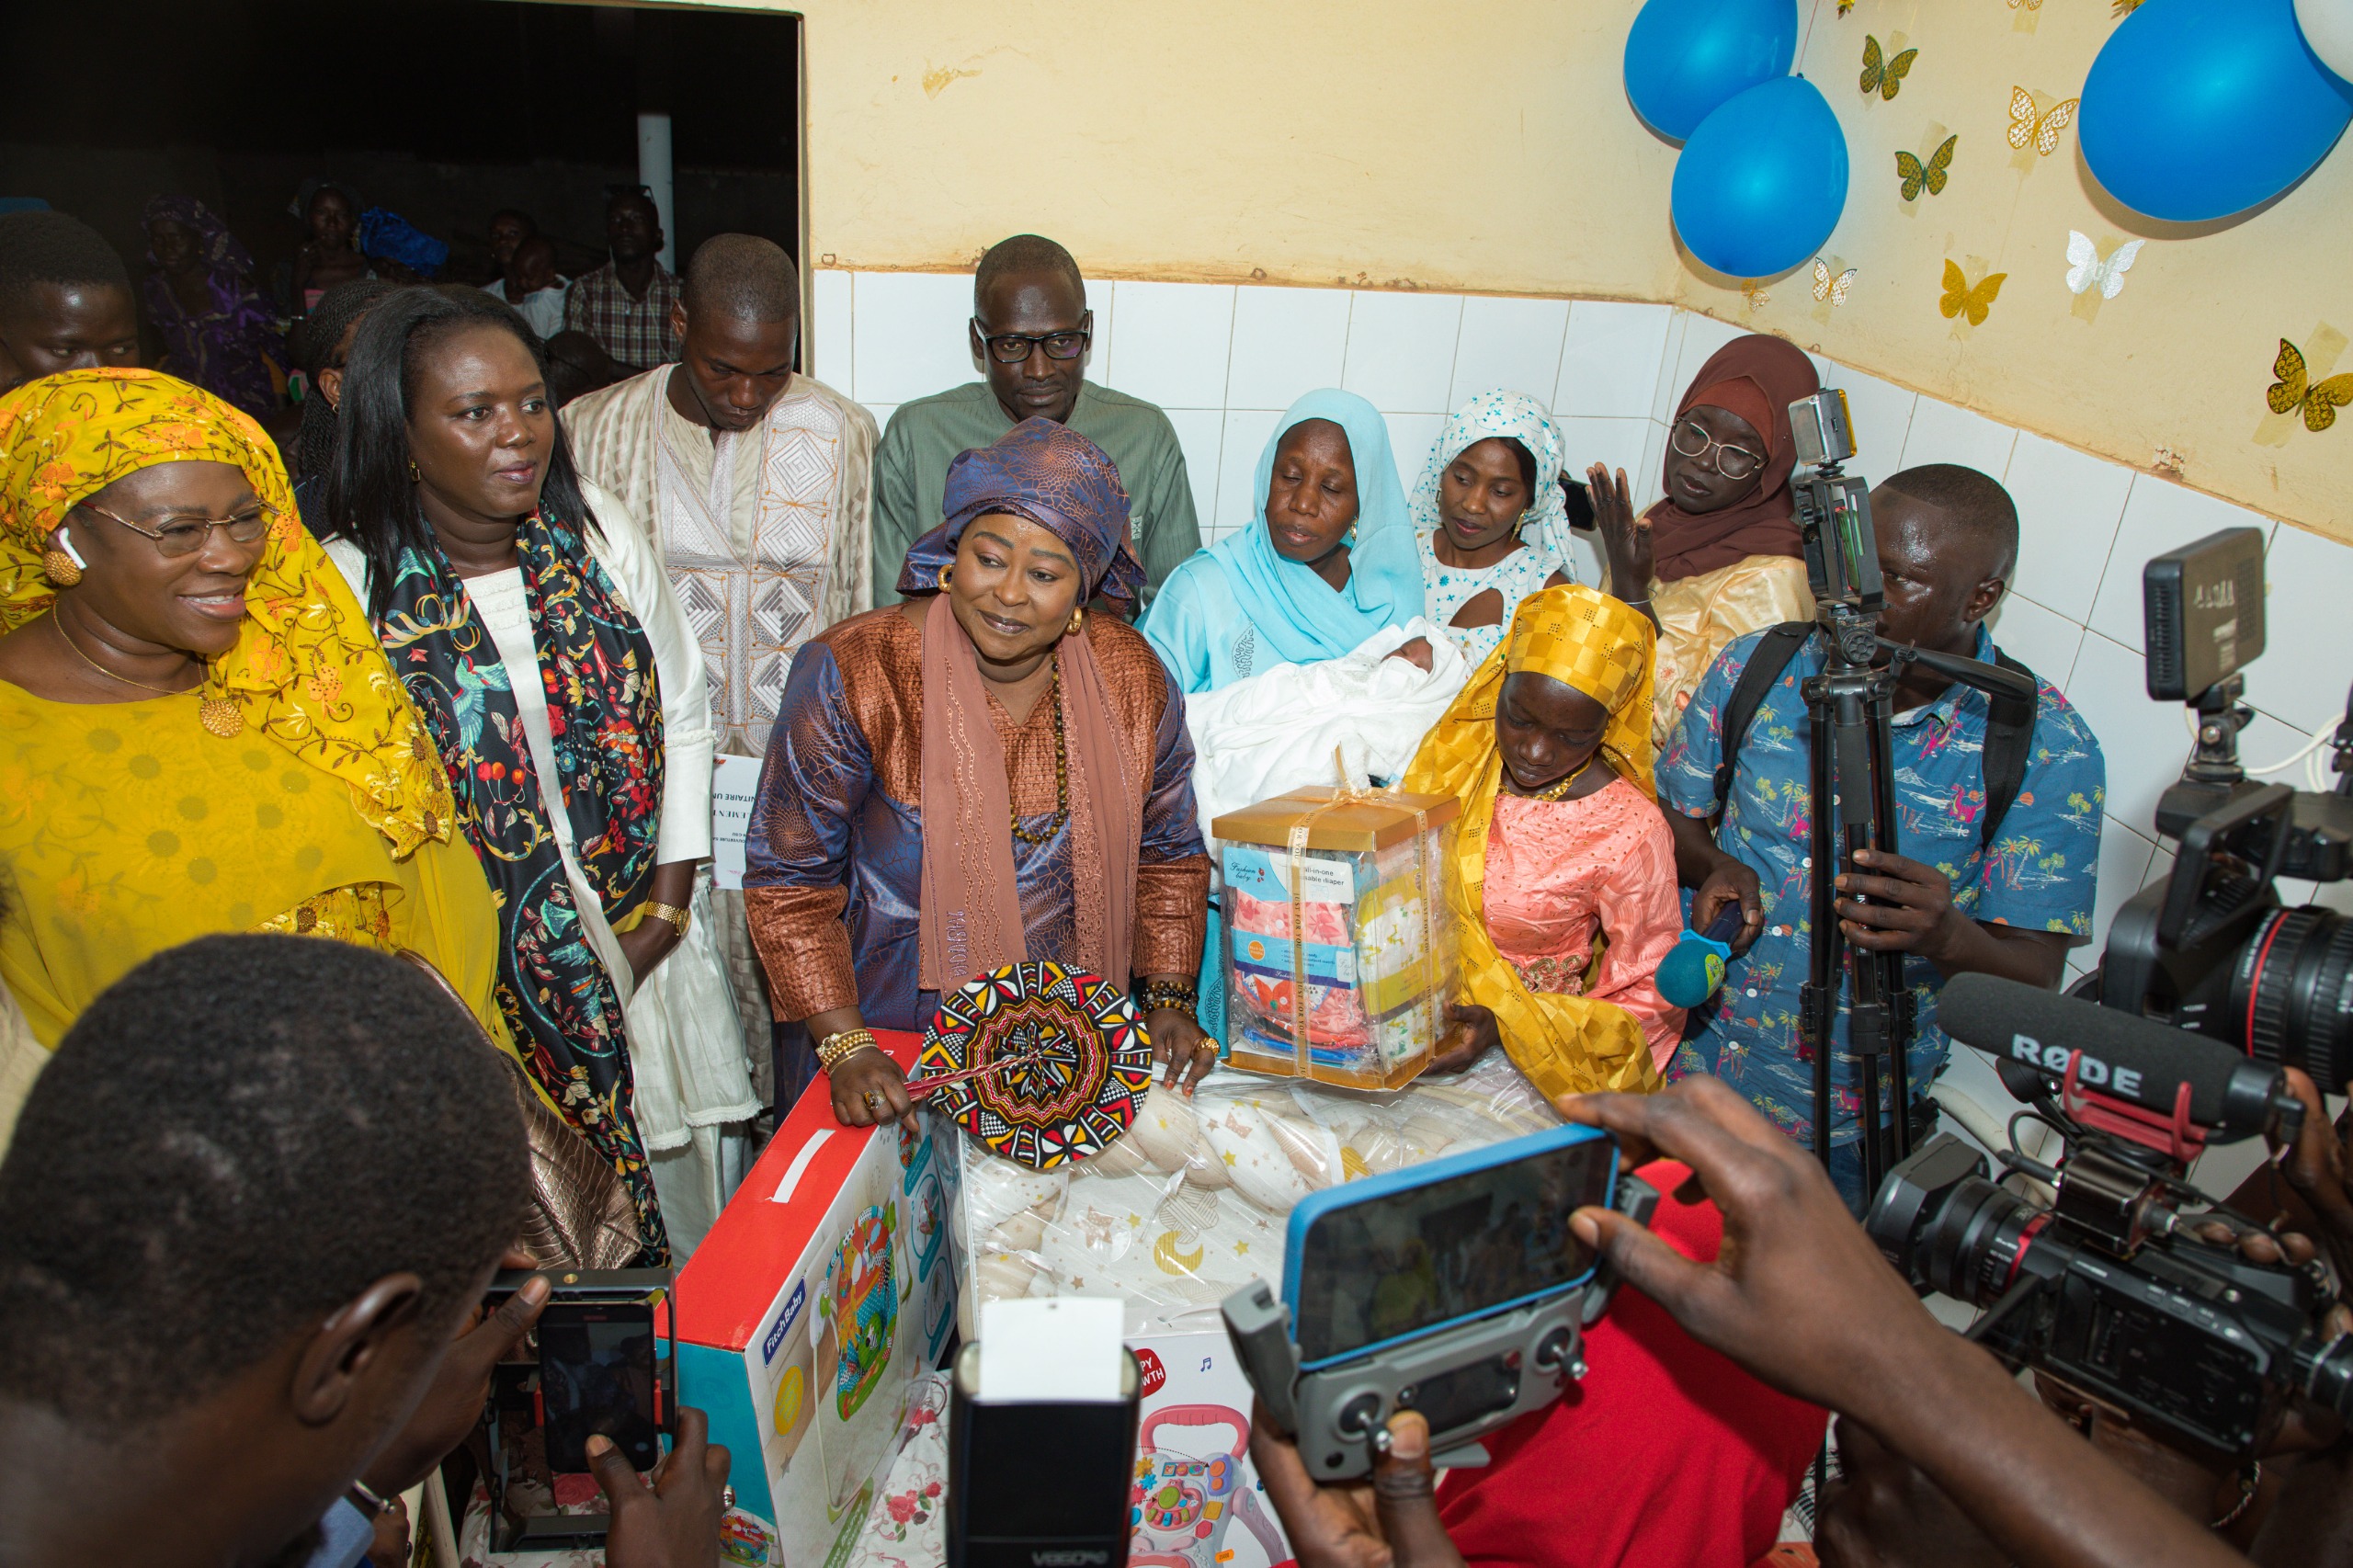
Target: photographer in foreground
(250,1208)
(1967,892)
(1798,1296)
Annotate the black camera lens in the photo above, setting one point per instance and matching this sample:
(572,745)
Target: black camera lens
(2292,993)
(1946,1227)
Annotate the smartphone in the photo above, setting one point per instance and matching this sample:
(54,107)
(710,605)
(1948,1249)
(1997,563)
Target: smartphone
(605,1363)
(1393,1257)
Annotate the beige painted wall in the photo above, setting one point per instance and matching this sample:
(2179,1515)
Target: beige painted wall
(1488,146)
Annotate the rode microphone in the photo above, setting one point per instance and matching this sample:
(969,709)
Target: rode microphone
(2163,1087)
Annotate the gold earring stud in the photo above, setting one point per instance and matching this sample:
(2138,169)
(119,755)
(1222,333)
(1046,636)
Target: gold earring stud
(59,568)
(414,477)
(1078,619)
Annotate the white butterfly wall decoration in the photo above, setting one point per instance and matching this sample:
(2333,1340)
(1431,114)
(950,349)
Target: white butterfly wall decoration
(2086,268)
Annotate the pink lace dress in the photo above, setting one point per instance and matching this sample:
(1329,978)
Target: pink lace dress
(1560,870)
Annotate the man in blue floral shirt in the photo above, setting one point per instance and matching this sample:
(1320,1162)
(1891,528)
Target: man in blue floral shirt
(1948,540)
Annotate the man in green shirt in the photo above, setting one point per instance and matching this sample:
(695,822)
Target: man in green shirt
(1031,328)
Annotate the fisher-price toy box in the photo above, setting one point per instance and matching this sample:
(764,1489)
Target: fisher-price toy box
(825,1288)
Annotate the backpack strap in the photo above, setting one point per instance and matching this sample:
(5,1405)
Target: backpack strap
(2009,740)
(1765,662)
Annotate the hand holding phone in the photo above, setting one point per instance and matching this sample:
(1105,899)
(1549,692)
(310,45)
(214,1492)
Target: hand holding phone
(674,1521)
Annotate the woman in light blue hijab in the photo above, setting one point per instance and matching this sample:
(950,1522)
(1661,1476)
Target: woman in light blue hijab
(1328,560)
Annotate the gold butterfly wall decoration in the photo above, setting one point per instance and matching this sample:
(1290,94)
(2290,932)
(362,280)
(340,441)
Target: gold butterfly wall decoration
(1929,177)
(1880,75)
(2318,400)
(1831,286)
(2029,4)
(1961,298)
(1845,7)
(2042,129)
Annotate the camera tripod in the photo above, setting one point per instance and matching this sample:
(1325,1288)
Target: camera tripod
(1849,707)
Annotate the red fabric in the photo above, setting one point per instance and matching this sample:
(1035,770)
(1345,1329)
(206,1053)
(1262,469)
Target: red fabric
(1665,1456)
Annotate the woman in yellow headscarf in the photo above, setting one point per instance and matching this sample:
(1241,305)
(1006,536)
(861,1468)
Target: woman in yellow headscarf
(1561,852)
(198,729)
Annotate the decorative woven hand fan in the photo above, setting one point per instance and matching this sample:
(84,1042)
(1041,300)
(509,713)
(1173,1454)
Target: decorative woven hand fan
(1040,1062)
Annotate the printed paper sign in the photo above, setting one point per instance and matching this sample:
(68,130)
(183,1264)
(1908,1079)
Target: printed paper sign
(734,785)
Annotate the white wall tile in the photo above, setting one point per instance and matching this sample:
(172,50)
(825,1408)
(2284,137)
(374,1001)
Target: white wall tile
(1609,360)
(1666,391)
(1511,344)
(1401,350)
(1245,434)
(2308,657)
(1647,484)
(909,336)
(2069,505)
(1174,339)
(1617,442)
(829,329)
(2044,642)
(1100,347)
(2159,516)
(2124,858)
(1702,336)
(2144,743)
(1880,413)
(1940,433)
(1201,433)
(1286,341)
(1411,438)
(881,412)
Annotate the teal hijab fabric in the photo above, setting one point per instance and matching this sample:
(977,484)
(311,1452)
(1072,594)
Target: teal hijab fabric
(1298,614)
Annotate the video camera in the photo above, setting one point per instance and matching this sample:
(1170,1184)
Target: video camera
(2109,1289)
(1453,1288)
(2211,949)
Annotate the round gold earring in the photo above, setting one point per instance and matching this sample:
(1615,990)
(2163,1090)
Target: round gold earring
(60,567)
(947,575)
(1078,619)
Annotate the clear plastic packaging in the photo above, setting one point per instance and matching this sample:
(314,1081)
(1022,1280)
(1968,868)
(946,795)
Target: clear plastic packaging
(1338,897)
(1194,1201)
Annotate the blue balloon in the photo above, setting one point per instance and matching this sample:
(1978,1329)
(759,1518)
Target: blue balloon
(1761,183)
(1686,58)
(2200,109)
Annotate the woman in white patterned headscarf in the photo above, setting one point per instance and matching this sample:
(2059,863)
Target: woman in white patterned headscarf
(1489,517)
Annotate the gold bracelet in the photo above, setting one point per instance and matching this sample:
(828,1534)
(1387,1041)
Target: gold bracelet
(678,918)
(843,1045)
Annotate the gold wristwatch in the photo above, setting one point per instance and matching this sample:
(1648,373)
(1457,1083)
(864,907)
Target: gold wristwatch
(843,1045)
(678,918)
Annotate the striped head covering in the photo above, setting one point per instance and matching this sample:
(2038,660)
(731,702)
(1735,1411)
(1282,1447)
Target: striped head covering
(1048,474)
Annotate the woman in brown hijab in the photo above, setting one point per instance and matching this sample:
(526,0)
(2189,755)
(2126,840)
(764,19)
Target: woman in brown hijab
(1720,556)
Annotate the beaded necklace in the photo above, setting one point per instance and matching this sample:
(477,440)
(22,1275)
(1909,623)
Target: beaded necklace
(1062,774)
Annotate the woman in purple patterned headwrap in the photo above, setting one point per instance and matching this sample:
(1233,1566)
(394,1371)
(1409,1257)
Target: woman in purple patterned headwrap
(984,775)
(219,331)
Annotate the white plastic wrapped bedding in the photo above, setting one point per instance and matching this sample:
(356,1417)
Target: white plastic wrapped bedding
(1194,1202)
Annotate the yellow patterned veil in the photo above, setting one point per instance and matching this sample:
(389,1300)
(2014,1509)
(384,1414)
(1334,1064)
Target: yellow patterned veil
(1566,1045)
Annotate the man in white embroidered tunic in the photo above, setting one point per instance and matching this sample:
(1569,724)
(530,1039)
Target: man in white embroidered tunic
(754,482)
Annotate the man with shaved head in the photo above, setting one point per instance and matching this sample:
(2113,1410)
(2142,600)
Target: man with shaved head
(1030,333)
(1974,885)
(753,480)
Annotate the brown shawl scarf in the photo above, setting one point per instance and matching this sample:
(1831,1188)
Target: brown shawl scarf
(1757,378)
(970,917)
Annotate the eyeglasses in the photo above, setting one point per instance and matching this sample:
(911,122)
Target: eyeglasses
(1733,462)
(1013,347)
(182,536)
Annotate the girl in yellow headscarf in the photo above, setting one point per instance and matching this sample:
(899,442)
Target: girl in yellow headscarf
(1561,851)
(198,729)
